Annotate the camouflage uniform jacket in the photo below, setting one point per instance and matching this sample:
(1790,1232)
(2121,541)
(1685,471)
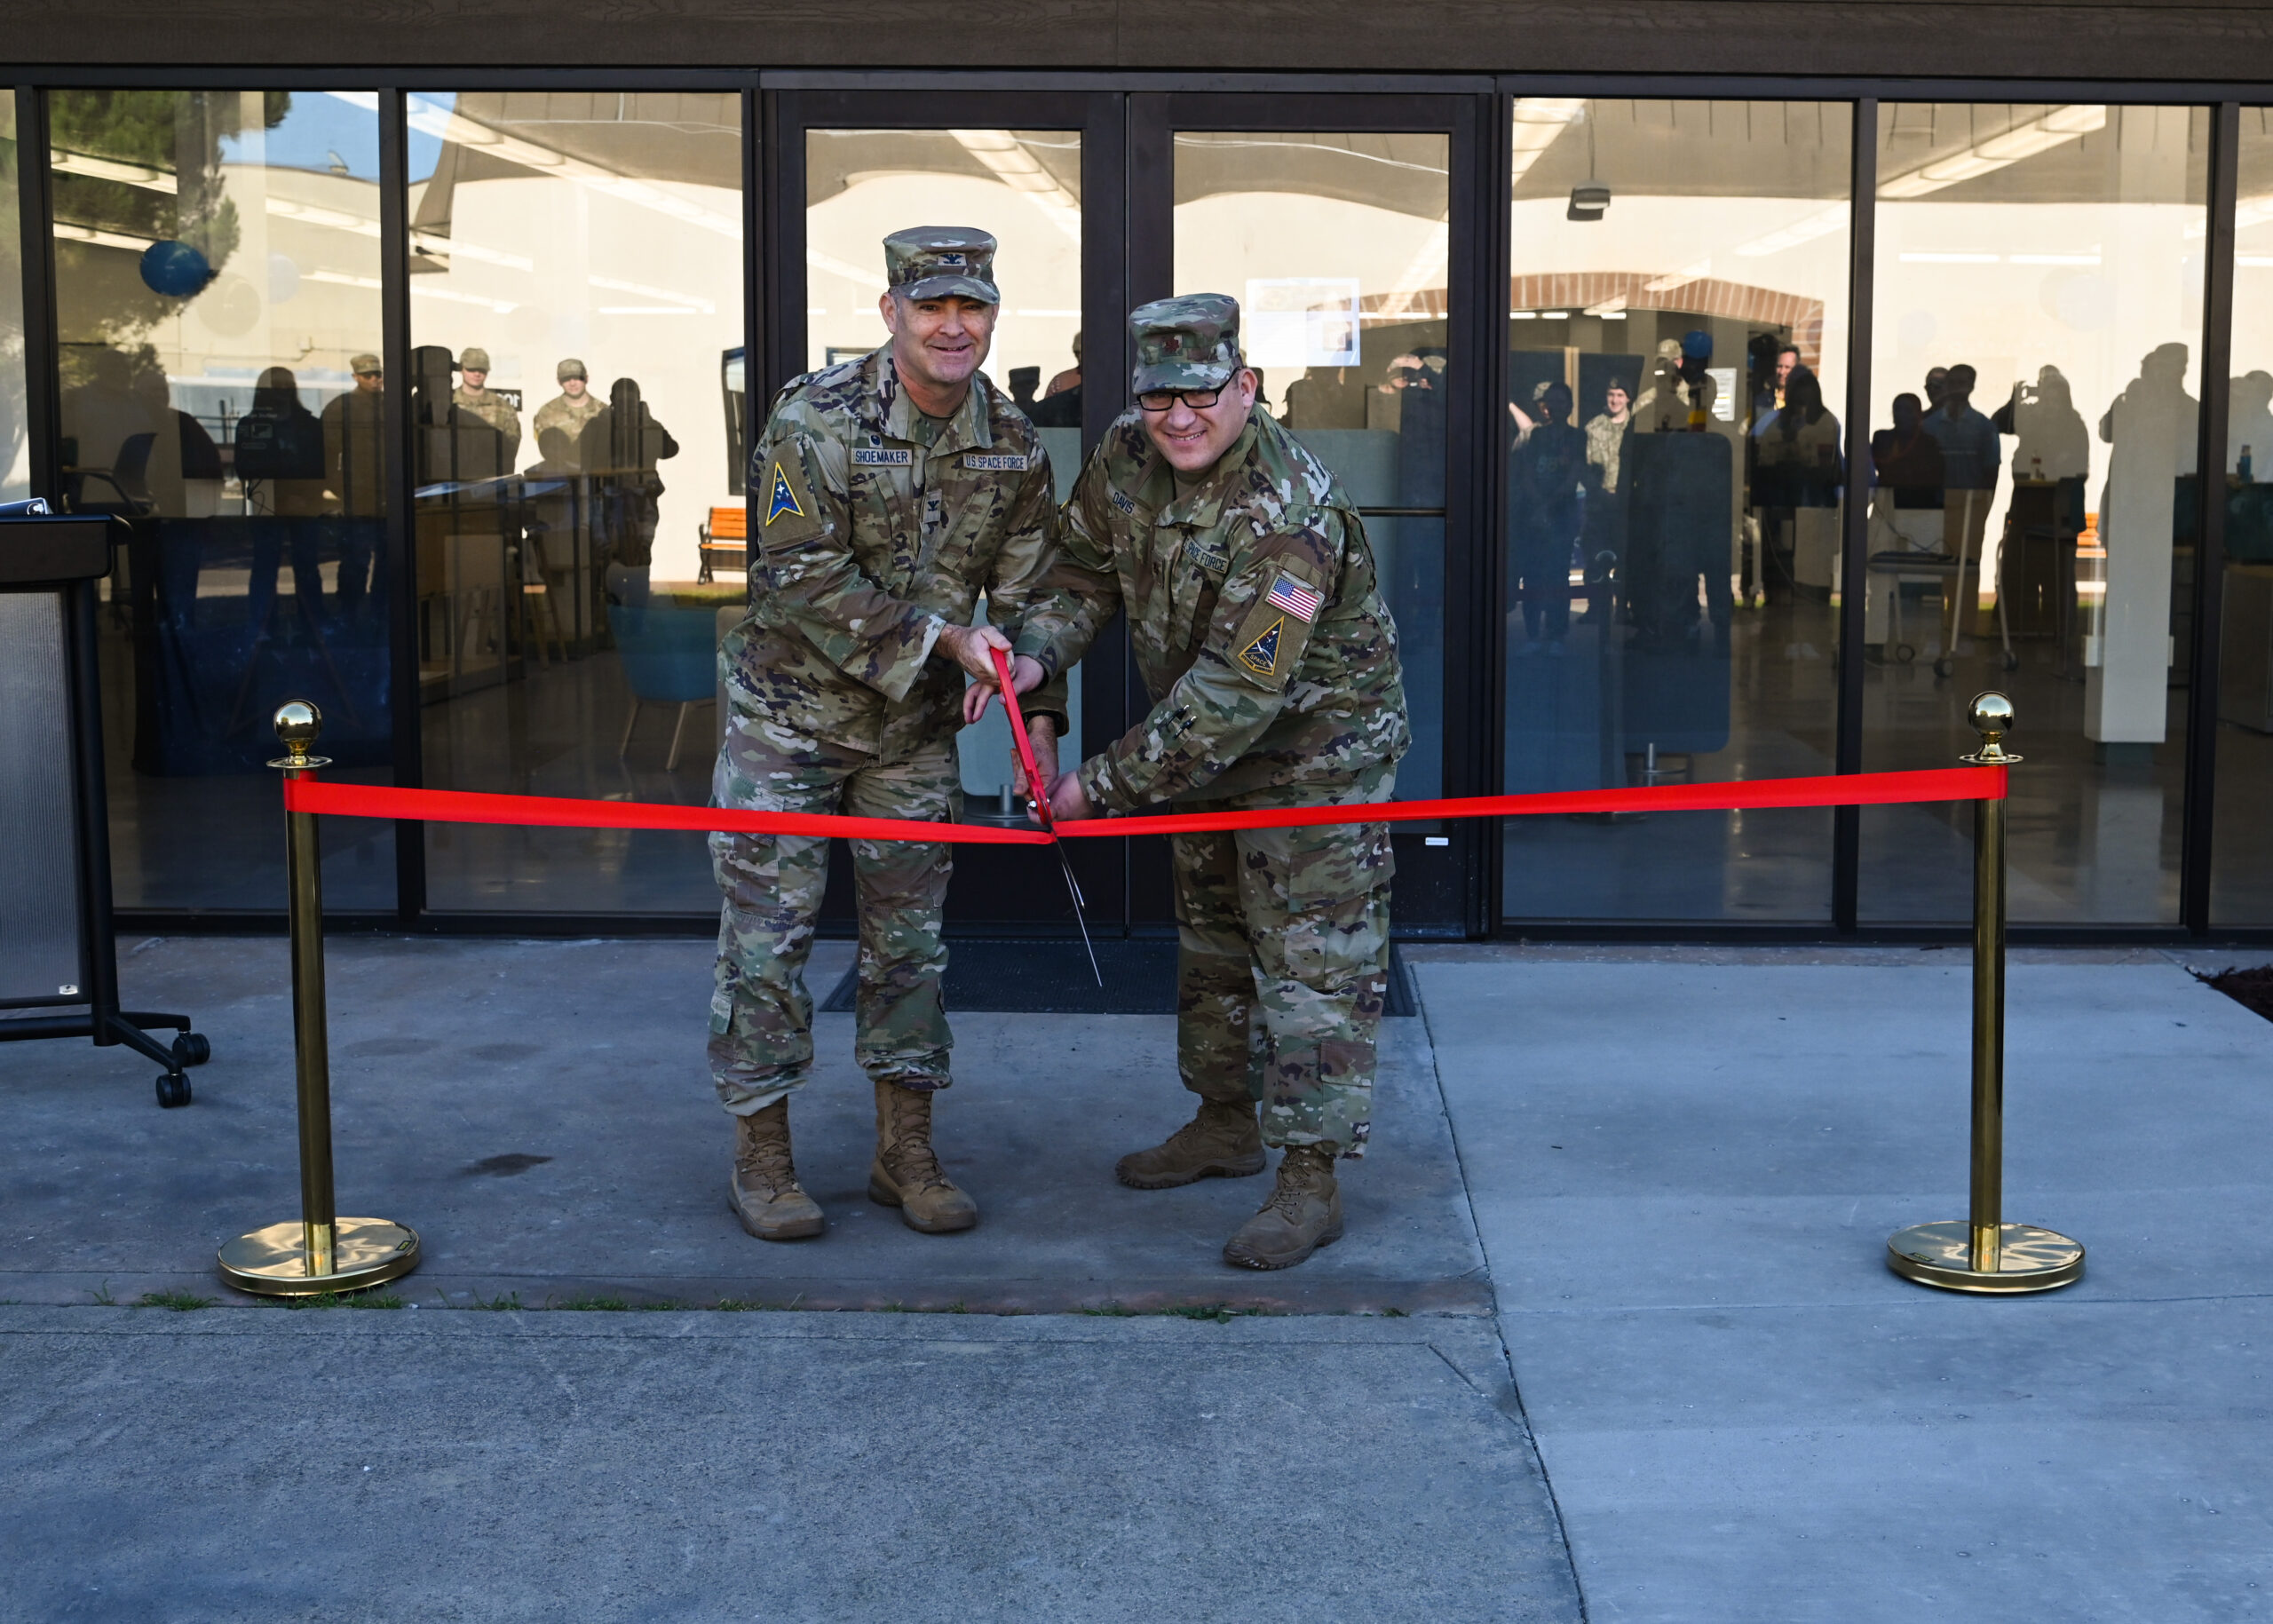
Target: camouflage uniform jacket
(568,413)
(1254,615)
(494,409)
(875,528)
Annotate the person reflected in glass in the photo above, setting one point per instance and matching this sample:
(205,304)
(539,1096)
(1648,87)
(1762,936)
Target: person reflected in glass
(1682,392)
(1608,431)
(181,482)
(1023,382)
(618,450)
(354,459)
(1546,514)
(475,398)
(2249,429)
(280,461)
(1799,455)
(2150,427)
(559,423)
(1971,458)
(1060,405)
(2053,443)
(1906,510)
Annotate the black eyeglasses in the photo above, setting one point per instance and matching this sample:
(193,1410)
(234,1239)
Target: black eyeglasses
(1198,399)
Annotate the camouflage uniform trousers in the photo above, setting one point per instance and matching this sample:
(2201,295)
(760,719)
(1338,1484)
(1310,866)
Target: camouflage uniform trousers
(1282,969)
(761,1015)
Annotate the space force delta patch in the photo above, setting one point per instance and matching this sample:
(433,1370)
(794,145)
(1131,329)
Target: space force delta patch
(1262,655)
(784,500)
(876,456)
(996,462)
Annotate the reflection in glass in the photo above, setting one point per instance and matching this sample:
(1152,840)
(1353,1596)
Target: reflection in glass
(217,296)
(2034,381)
(15,443)
(1674,474)
(576,316)
(2241,880)
(1022,185)
(1337,246)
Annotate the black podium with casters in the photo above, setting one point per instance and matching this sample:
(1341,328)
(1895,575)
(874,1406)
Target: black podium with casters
(58,950)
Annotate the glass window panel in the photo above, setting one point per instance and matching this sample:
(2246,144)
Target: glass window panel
(217,274)
(15,442)
(1336,246)
(2033,385)
(1025,187)
(1676,328)
(2241,879)
(576,319)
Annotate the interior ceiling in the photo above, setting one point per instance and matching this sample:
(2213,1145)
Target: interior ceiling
(1799,149)
(838,159)
(694,137)
(1403,173)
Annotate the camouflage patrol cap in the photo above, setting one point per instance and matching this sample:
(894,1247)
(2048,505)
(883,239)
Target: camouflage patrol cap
(474,359)
(1187,342)
(931,262)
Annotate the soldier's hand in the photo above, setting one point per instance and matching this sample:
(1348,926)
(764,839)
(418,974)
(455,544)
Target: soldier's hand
(967,646)
(1041,733)
(1067,798)
(1025,676)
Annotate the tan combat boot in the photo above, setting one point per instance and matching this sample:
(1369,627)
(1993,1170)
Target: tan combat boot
(764,1191)
(906,1174)
(1221,1141)
(1303,1214)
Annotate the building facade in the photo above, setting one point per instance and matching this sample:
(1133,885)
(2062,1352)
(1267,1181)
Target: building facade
(417,354)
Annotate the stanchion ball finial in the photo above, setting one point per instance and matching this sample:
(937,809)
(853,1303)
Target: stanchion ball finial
(298,723)
(1992,716)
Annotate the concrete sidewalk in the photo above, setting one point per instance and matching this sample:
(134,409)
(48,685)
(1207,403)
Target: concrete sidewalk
(542,1113)
(1680,1166)
(1743,1414)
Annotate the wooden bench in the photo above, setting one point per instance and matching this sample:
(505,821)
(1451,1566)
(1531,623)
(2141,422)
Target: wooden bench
(725,541)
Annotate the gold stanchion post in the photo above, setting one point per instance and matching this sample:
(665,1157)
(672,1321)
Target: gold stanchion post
(1983,1253)
(322,1252)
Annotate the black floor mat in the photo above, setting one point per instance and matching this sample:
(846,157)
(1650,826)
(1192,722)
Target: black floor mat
(1053,977)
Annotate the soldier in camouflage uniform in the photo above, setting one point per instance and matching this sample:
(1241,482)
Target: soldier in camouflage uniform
(886,493)
(559,423)
(473,395)
(1272,661)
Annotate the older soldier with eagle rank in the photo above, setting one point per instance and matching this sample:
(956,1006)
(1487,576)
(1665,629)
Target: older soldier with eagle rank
(1271,659)
(890,492)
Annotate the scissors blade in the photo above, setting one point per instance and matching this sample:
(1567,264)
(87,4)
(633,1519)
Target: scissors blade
(1074,886)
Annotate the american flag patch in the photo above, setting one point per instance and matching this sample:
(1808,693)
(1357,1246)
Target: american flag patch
(1295,598)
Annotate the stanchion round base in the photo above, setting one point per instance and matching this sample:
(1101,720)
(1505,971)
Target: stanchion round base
(274,1262)
(1942,1255)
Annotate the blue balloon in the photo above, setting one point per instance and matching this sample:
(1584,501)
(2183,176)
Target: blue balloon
(175,269)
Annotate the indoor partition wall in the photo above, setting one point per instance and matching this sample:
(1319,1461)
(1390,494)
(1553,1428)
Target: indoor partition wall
(575,278)
(1677,330)
(218,335)
(2035,373)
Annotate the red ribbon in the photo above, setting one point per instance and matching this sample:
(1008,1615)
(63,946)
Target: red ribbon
(312,795)
(1037,792)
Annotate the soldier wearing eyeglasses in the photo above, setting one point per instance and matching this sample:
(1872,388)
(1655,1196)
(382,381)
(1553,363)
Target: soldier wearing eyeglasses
(1271,659)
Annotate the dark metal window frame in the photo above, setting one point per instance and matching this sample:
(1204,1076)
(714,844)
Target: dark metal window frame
(1481,253)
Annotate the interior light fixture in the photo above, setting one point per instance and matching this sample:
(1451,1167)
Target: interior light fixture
(1589,202)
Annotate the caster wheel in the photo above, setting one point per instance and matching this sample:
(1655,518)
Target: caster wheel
(1944,667)
(192,1048)
(2012,660)
(1904,652)
(173,1089)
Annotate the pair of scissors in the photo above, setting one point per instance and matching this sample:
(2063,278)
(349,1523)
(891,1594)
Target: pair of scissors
(1038,795)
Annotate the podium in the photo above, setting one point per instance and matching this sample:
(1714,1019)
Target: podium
(58,949)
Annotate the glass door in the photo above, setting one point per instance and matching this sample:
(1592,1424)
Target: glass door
(1038,173)
(1332,220)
